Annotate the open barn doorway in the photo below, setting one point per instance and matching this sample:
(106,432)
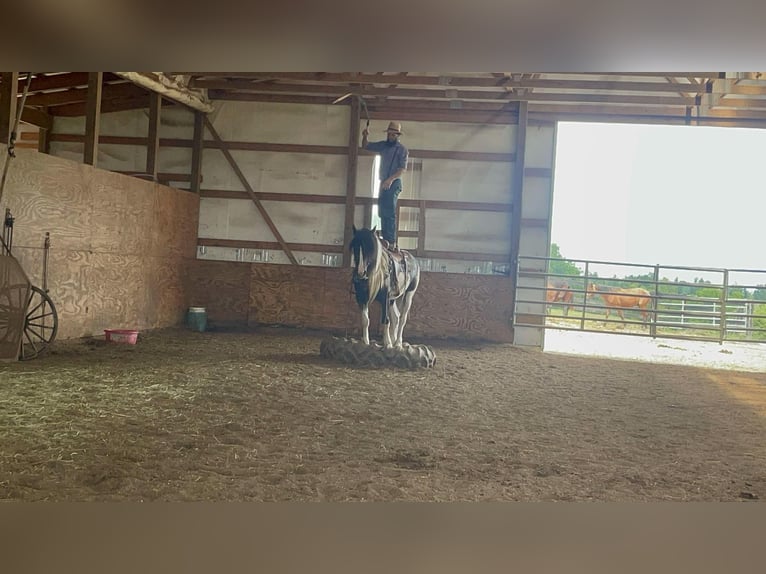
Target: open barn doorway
(669,206)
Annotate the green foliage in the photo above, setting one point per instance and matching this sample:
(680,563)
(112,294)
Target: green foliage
(713,292)
(760,322)
(562,267)
(737,293)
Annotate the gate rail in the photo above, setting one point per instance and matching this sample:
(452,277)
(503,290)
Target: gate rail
(709,304)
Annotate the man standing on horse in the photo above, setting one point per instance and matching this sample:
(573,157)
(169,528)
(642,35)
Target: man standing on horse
(393,163)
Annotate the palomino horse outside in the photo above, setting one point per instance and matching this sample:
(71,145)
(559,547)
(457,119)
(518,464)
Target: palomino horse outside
(386,277)
(558,291)
(619,299)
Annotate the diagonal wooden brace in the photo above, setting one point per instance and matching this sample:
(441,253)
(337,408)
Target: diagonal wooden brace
(225,149)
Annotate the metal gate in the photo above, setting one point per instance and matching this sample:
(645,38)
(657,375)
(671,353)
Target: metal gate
(663,301)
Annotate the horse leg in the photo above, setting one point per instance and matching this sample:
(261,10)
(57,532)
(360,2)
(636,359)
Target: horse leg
(395,321)
(403,319)
(621,313)
(366,324)
(384,306)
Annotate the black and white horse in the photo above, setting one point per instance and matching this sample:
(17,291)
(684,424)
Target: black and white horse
(385,277)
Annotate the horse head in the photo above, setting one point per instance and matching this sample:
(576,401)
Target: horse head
(364,247)
(592,290)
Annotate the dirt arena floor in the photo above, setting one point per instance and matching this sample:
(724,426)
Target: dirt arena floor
(186,416)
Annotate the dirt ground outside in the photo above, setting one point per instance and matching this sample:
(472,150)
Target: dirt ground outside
(259,416)
(729,355)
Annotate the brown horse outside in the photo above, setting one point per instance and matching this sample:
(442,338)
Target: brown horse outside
(619,299)
(558,292)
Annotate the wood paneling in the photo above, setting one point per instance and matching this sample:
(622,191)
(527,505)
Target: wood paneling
(120,247)
(462,306)
(445,306)
(223,288)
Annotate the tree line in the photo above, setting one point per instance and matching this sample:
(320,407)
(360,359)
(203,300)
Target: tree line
(698,287)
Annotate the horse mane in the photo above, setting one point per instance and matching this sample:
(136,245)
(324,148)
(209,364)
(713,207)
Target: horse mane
(379,270)
(376,276)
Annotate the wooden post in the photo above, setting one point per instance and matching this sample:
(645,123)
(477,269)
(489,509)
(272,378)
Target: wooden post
(153,141)
(9,88)
(44,137)
(517,190)
(197,146)
(421,229)
(93,117)
(351,171)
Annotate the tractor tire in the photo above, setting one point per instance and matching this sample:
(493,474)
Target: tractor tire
(355,352)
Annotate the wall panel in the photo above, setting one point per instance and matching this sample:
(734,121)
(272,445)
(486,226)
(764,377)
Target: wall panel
(120,246)
(446,305)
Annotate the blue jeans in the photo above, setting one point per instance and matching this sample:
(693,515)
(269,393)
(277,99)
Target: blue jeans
(387,210)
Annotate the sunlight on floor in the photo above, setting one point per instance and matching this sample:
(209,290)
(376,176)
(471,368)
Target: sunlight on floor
(745,389)
(730,356)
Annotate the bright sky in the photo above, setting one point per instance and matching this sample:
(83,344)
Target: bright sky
(673,195)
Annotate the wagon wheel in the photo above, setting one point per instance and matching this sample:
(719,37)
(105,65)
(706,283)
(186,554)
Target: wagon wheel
(12,311)
(40,325)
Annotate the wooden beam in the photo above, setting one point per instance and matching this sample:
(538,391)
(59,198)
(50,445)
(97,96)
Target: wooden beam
(466,256)
(162,177)
(79,95)
(271,196)
(421,228)
(274,245)
(9,87)
(368,215)
(198,145)
(93,117)
(43,82)
(107,106)
(351,173)
(384,110)
(153,139)
(314,248)
(44,138)
(517,193)
(501,94)
(37,118)
(366,201)
(442,100)
(293,148)
(250,191)
(441,82)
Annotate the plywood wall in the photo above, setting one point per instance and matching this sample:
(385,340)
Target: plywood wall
(120,247)
(446,305)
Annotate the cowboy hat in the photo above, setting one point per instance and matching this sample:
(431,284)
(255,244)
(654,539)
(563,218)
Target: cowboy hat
(395,127)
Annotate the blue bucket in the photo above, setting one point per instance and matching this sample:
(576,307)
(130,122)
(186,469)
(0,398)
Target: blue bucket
(196,318)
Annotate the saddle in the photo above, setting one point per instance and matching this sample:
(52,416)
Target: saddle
(396,259)
(395,256)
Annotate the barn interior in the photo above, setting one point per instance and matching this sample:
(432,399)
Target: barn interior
(232,191)
(237,192)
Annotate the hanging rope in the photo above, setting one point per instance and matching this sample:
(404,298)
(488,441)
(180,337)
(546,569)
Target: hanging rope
(14,131)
